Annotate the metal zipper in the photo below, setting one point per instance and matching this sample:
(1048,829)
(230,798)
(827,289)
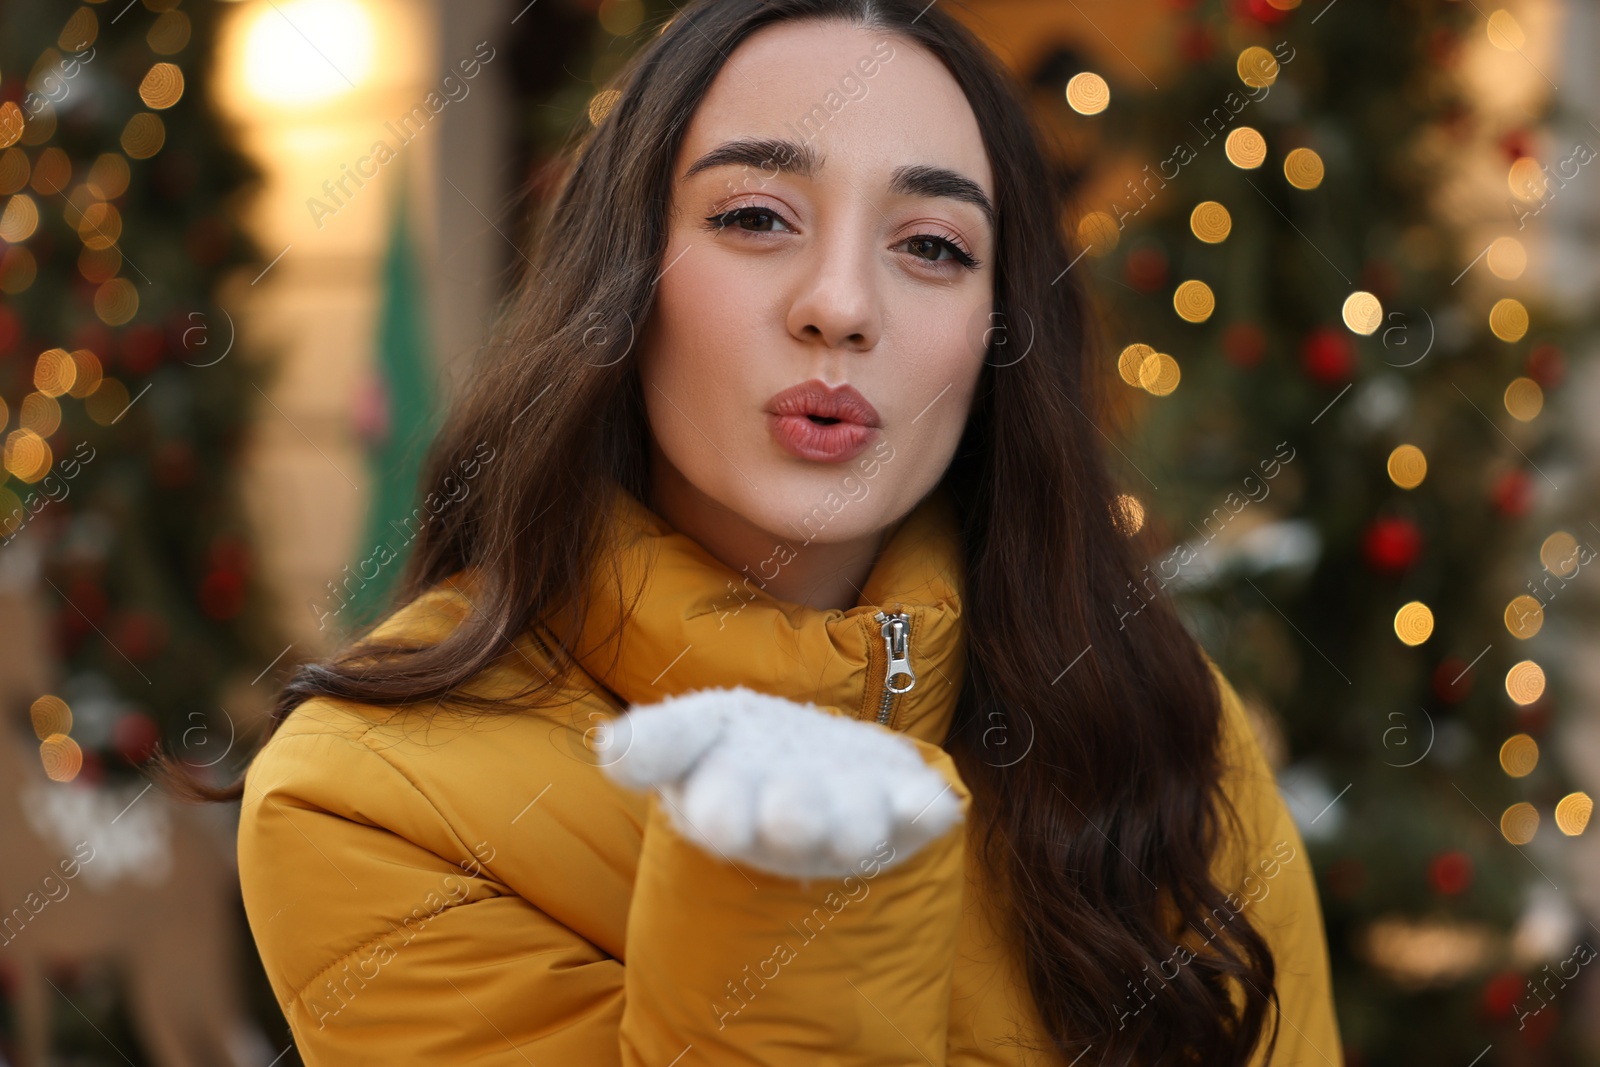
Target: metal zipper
(896,630)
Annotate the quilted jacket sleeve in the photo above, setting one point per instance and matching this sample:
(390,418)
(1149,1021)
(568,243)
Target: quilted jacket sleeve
(386,943)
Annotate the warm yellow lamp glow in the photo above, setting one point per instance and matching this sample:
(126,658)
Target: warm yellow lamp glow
(308,51)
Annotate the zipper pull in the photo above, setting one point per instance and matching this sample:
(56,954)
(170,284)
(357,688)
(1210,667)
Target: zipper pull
(896,630)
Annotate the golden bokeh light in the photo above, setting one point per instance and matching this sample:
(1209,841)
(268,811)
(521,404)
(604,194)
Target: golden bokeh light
(40,126)
(1407,466)
(1572,813)
(1210,222)
(99,226)
(52,173)
(1559,554)
(1507,258)
(1193,301)
(1524,616)
(143,136)
(108,176)
(1257,67)
(79,32)
(107,403)
(1525,682)
(50,715)
(600,105)
(86,377)
(11,124)
(1527,179)
(1519,755)
(1524,399)
(99,264)
(1508,319)
(1505,33)
(61,756)
(283,67)
(1159,374)
(39,413)
(116,301)
(1098,233)
(1129,514)
(1413,623)
(27,455)
(14,170)
(1303,168)
(19,219)
(162,86)
(1131,360)
(1519,823)
(169,33)
(1088,93)
(1362,313)
(1245,148)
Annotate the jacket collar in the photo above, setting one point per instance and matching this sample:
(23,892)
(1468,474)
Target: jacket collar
(700,624)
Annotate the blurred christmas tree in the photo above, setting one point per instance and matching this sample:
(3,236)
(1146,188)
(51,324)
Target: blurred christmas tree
(126,399)
(1336,443)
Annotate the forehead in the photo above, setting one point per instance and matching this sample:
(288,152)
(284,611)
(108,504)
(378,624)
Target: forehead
(864,100)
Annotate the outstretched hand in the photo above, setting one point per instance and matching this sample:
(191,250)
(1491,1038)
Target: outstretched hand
(782,786)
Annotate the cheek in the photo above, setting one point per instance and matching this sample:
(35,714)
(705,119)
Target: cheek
(943,356)
(695,367)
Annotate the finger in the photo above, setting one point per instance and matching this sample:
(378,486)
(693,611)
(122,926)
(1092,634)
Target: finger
(719,801)
(654,744)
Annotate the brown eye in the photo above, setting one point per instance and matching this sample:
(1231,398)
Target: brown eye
(763,219)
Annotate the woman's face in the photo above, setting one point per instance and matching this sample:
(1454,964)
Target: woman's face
(859,254)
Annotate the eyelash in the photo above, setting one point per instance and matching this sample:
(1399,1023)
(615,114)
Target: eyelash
(717,223)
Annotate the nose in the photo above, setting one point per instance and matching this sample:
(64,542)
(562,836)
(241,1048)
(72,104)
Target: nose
(836,300)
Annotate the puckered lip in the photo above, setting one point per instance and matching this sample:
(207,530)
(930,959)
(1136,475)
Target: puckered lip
(816,397)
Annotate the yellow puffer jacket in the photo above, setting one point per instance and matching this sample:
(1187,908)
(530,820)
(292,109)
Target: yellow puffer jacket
(435,886)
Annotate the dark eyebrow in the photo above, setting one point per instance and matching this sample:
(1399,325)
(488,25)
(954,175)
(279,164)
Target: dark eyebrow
(803,161)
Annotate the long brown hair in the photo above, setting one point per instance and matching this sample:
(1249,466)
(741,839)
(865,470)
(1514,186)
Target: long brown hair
(1103,834)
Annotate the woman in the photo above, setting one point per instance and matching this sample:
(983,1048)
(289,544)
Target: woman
(788,431)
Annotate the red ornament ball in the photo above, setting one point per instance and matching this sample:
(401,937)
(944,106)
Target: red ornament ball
(1328,355)
(10,329)
(222,594)
(1452,680)
(1146,268)
(1450,873)
(141,635)
(1260,10)
(1516,144)
(1392,544)
(1195,43)
(140,349)
(1346,878)
(1500,993)
(1513,493)
(135,736)
(1547,366)
(1244,344)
